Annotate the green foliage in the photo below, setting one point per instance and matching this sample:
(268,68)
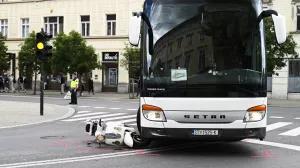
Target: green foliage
(72,54)
(27,57)
(131,61)
(276,53)
(3,57)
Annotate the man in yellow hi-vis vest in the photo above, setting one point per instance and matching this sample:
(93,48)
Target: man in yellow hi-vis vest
(74,87)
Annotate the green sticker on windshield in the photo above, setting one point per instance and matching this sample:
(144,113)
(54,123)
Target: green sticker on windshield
(178,74)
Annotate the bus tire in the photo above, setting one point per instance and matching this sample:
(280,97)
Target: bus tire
(138,121)
(139,142)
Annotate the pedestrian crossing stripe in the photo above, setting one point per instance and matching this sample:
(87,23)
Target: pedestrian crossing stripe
(82,116)
(277,125)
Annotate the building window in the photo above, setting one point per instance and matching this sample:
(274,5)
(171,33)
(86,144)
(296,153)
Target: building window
(111,24)
(177,61)
(298,17)
(190,39)
(187,59)
(201,37)
(4,27)
(179,43)
(3,0)
(54,25)
(85,25)
(134,13)
(294,68)
(25,28)
(201,57)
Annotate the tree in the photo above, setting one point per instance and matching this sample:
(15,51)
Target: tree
(72,54)
(277,54)
(3,57)
(131,61)
(28,63)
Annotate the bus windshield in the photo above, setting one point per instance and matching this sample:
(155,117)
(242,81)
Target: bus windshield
(204,48)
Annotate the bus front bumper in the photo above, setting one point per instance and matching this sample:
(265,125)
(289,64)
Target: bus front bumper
(197,134)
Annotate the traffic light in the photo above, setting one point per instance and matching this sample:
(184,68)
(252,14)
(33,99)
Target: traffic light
(43,50)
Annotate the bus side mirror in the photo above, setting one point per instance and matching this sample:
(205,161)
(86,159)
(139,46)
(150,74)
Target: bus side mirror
(134,30)
(280,28)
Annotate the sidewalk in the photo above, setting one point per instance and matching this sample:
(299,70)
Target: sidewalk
(283,103)
(85,95)
(14,114)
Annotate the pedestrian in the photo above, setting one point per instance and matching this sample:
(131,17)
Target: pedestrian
(62,83)
(91,85)
(6,82)
(12,83)
(1,83)
(74,87)
(21,84)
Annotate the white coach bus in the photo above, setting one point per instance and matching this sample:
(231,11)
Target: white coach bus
(203,68)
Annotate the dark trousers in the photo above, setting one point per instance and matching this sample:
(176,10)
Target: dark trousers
(91,89)
(74,96)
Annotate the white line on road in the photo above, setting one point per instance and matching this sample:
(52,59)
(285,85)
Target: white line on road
(114,108)
(293,132)
(79,112)
(275,117)
(280,145)
(99,107)
(277,125)
(84,106)
(298,118)
(87,118)
(116,118)
(89,114)
(95,157)
(131,109)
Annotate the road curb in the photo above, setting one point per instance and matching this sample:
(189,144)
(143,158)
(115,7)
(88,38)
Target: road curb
(70,112)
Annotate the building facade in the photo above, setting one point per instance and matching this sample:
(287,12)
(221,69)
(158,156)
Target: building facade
(104,24)
(287,84)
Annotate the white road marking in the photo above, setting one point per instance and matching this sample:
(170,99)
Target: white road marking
(114,108)
(79,112)
(99,107)
(276,117)
(95,157)
(89,114)
(100,116)
(280,145)
(277,125)
(84,106)
(116,118)
(298,118)
(131,109)
(293,132)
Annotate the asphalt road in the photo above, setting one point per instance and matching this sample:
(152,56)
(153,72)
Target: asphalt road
(65,143)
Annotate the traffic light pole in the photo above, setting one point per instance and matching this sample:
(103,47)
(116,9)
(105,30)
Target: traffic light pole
(42,90)
(43,52)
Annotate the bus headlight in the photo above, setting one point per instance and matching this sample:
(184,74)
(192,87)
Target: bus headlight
(153,113)
(256,113)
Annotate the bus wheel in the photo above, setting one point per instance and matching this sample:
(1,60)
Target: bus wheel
(138,121)
(139,142)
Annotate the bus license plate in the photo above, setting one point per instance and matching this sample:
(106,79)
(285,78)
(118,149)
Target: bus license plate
(205,132)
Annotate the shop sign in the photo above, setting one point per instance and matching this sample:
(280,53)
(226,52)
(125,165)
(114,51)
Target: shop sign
(110,56)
